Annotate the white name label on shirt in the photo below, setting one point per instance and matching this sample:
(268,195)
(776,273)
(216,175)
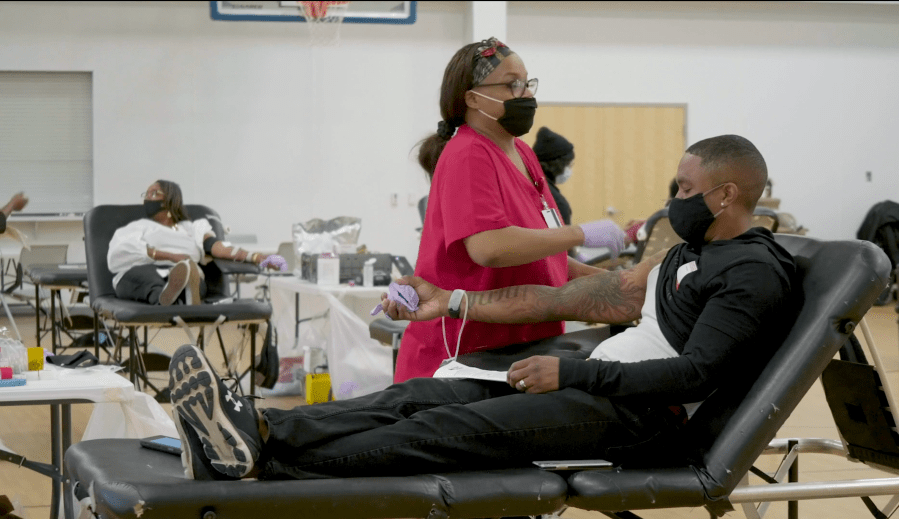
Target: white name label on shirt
(683,270)
(552,219)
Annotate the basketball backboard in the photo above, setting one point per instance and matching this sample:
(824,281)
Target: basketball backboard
(290,11)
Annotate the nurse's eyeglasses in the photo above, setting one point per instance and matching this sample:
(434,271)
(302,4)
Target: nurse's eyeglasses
(518,86)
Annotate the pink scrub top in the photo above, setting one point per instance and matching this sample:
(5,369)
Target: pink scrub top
(476,188)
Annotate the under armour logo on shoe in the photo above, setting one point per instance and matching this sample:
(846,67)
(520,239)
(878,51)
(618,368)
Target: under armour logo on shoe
(237,403)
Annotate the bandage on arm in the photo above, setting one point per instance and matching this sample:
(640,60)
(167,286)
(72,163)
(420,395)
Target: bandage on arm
(220,249)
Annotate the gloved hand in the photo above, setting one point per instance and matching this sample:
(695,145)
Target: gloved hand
(604,233)
(274,261)
(401,294)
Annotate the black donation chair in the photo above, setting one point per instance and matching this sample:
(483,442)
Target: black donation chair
(839,283)
(100,224)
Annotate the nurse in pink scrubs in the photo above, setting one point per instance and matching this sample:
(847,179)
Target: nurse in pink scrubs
(491,220)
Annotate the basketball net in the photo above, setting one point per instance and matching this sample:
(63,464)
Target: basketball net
(324,19)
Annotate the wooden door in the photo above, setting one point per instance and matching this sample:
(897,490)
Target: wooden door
(625,156)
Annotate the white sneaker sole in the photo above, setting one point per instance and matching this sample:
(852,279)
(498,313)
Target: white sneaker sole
(196,398)
(186,458)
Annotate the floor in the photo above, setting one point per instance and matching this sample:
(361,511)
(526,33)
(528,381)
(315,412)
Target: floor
(24,430)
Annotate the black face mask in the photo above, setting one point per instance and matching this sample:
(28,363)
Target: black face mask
(690,217)
(519,114)
(151,207)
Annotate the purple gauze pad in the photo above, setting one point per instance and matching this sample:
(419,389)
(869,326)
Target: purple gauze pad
(402,294)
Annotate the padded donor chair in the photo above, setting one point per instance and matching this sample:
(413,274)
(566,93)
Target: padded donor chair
(839,283)
(100,223)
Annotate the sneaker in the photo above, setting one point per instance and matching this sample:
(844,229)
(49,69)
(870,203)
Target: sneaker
(178,278)
(225,424)
(196,466)
(193,284)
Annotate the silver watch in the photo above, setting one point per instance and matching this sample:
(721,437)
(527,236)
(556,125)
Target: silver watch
(455,302)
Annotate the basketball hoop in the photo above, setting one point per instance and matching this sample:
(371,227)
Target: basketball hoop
(324,19)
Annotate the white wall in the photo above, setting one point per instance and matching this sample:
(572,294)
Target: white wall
(252,121)
(812,85)
(246,116)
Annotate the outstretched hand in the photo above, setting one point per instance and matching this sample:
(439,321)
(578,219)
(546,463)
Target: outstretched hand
(16,203)
(431,301)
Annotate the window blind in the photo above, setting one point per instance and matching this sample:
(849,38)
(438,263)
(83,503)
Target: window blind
(46,140)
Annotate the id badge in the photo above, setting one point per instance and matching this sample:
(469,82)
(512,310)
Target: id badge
(552,219)
(683,270)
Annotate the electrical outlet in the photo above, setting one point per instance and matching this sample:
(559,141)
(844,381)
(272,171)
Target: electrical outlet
(868,176)
(394,197)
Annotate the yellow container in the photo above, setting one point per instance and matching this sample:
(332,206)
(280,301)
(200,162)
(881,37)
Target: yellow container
(318,388)
(35,359)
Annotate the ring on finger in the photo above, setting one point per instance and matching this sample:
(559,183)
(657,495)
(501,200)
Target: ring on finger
(522,385)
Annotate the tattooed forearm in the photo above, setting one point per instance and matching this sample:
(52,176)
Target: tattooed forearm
(606,297)
(609,297)
(495,296)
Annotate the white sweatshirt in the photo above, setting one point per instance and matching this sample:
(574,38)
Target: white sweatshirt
(128,247)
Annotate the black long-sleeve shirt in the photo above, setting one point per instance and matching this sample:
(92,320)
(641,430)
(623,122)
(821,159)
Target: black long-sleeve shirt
(725,318)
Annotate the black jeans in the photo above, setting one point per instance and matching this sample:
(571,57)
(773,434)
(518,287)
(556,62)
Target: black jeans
(143,283)
(429,425)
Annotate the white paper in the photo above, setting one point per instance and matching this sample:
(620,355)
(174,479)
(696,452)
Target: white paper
(328,271)
(454,369)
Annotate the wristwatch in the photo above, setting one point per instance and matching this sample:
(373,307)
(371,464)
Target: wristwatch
(455,302)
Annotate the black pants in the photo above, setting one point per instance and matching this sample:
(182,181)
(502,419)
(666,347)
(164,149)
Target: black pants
(143,283)
(427,425)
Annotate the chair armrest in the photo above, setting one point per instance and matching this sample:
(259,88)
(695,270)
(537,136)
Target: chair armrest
(384,330)
(577,345)
(236,267)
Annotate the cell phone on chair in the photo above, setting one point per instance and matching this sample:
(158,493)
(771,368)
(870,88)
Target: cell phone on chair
(574,464)
(402,264)
(165,444)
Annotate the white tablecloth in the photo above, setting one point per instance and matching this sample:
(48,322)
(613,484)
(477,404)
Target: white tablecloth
(358,364)
(119,410)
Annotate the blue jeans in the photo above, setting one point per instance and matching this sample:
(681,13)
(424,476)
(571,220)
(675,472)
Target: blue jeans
(429,425)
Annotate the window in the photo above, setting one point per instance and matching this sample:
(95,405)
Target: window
(46,140)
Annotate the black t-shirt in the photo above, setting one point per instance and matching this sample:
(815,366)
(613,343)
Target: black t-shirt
(725,318)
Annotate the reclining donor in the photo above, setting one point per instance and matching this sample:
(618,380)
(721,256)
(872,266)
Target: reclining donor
(712,311)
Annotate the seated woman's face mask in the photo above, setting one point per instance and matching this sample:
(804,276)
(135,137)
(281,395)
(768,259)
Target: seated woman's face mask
(566,174)
(151,207)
